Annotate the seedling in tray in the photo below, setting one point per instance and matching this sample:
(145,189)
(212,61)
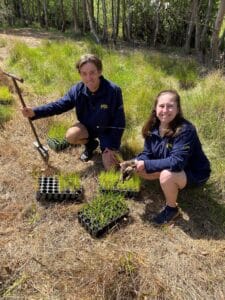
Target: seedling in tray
(110,181)
(102,213)
(56,137)
(59,188)
(69,181)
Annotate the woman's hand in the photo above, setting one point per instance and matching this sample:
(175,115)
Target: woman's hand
(27,112)
(140,165)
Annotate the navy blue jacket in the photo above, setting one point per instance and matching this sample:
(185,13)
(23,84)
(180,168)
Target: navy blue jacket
(95,111)
(182,152)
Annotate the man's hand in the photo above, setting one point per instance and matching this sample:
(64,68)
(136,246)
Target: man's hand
(27,112)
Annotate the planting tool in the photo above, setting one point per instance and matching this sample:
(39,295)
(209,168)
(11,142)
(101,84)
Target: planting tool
(41,149)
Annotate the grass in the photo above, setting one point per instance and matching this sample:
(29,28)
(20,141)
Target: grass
(58,131)
(3,43)
(5,96)
(6,100)
(46,254)
(49,69)
(6,113)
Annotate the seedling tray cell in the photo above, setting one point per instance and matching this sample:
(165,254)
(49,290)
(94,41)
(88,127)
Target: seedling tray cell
(49,190)
(56,144)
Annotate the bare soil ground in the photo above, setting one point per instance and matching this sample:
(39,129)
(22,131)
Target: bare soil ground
(46,254)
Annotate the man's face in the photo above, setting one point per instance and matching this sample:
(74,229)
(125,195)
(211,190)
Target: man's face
(90,76)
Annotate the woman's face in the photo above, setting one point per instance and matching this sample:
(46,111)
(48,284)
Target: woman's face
(166,109)
(90,76)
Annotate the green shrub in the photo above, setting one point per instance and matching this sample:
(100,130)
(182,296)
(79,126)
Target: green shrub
(5,95)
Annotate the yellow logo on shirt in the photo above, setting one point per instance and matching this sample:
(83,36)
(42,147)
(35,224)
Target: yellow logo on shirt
(169,146)
(186,147)
(104,106)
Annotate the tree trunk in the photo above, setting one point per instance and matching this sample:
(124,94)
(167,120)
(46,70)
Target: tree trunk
(113,20)
(124,20)
(63,24)
(203,38)
(84,16)
(117,18)
(191,26)
(39,12)
(76,27)
(129,21)
(97,17)
(105,23)
(91,21)
(197,34)
(216,31)
(156,24)
(45,13)
(21,13)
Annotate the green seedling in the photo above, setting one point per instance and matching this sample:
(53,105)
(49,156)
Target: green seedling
(128,263)
(132,184)
(103,209)
(15,285)
(69,182)
(111,181)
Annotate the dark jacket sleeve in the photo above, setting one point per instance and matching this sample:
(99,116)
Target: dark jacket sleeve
(179,155)
(67,102)
(113,137)
(146,154)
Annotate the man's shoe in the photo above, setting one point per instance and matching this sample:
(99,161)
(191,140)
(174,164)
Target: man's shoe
(167,215)
(89,149)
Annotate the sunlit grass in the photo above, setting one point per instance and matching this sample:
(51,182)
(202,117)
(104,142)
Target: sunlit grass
(5,113)
(50,70)
(5,96)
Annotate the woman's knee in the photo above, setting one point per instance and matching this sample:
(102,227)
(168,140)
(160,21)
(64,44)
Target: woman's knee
(178,178)
(165,177)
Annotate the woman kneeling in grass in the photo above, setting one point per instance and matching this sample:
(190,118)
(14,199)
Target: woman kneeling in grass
(172,153)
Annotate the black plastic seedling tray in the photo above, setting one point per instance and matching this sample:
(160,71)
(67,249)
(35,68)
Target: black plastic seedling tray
(49,190)
(94,228)
(57,145)
(125,193)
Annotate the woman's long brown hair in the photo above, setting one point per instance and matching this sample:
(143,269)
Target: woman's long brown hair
(153,121)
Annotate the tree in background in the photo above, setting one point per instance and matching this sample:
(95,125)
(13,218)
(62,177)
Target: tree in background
(195,25)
